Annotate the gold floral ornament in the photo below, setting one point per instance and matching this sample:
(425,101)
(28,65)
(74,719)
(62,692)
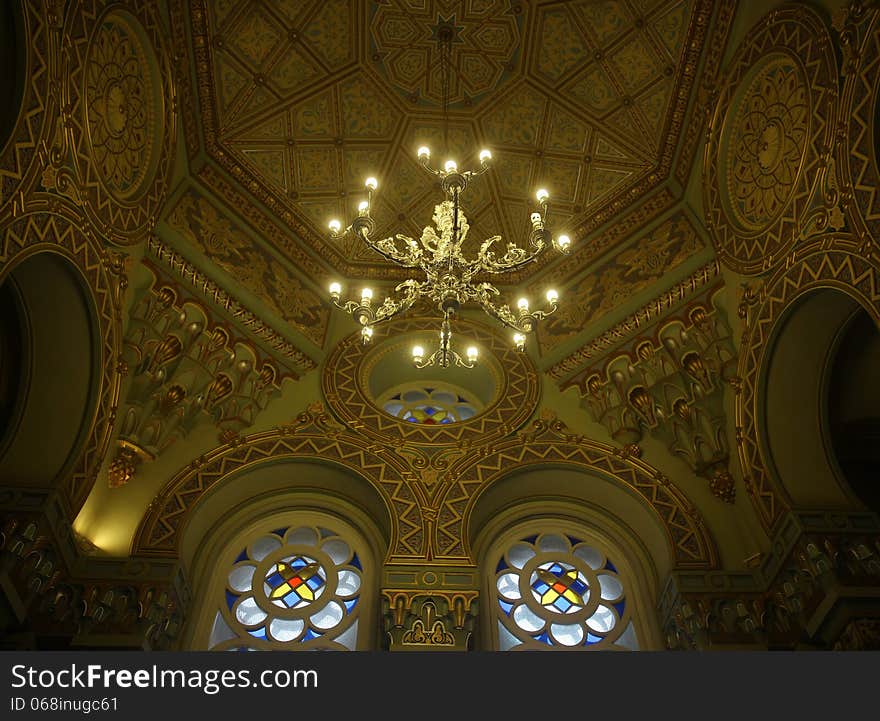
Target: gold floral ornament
(769,135)
(119,111)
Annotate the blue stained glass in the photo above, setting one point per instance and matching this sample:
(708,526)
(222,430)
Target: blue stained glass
(544,638)
(506,607)
(291,599)
(573,541)
(258,632)
(231,598)
(275,580)
(430,411)
(462,400)
(279,532)
(315,582)
(578,587)
(396,398)
(412,420)
(429,391)
(619,607)
(350,604)
(298,562)
(501,566)
(562,603)
(448,419)
(310,634)
(591,639)
(355,561)
(541,587)
(326,533)
(241,556)
(531,539)
(610,566)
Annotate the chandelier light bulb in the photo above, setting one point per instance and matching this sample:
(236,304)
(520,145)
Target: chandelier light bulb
(472,353)
(418,353)
(335,290)
(424,152)
(519,340)
(485,156)
(523,304)
(563,241)
(335,226)
(542,195)
(367,333)
(363,207)
(552,296)
(371,183)
(451,166)
(366,295)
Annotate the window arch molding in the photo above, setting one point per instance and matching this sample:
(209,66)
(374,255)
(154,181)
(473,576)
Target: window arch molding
(588,525)
(223,542)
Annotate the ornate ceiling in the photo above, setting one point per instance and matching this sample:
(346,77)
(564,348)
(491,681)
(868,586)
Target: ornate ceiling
(299,101)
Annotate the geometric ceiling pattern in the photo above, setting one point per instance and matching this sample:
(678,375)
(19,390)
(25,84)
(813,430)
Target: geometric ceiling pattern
(305,98)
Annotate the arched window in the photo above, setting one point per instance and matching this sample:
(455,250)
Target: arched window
(295,588)
(429,403)
(553,590)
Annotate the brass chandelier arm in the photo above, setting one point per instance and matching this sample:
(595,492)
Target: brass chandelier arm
(367,313)
(410,257)
(523,321)
(514,258)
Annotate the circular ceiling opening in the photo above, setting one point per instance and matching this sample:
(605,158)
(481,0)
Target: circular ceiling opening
(433,395)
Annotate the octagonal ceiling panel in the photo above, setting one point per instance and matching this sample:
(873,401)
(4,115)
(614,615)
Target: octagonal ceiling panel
(302,99)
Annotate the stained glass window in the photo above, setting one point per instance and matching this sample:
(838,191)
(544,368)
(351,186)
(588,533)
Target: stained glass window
(429,404)
(554,590)
(294,588)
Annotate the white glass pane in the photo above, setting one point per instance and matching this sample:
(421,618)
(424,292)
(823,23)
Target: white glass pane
(220,631)
(349,583)
(464,412)
(508,586)
(589,555)
(444,398)
(264,546)
(628,638)
(249,613)
(302,537)
(603,620)
(338,550)
(328,616)
(241,577)
(612,588)
(413,396)
(393,407)
(527,619)
(506,640)
(519,555)
(553,543)
(348,637)
(568,635)
(284,629)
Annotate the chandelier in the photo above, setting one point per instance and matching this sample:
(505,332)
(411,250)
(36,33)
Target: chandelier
(449,279)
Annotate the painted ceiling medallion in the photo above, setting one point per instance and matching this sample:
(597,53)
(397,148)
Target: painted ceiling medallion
(771,134)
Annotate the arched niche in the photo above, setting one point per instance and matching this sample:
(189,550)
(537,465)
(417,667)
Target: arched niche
(50,370)
(817,377)
(14,61)
(276,496)
(588,506)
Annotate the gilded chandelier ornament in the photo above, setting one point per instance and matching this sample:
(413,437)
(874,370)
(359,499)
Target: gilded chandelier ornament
(450,278)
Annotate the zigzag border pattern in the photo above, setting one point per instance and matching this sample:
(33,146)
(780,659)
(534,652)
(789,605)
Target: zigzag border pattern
(517,399)
(161,528)
(56,228)
(692,545)
(833,261)
(800,33)
(121,222)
